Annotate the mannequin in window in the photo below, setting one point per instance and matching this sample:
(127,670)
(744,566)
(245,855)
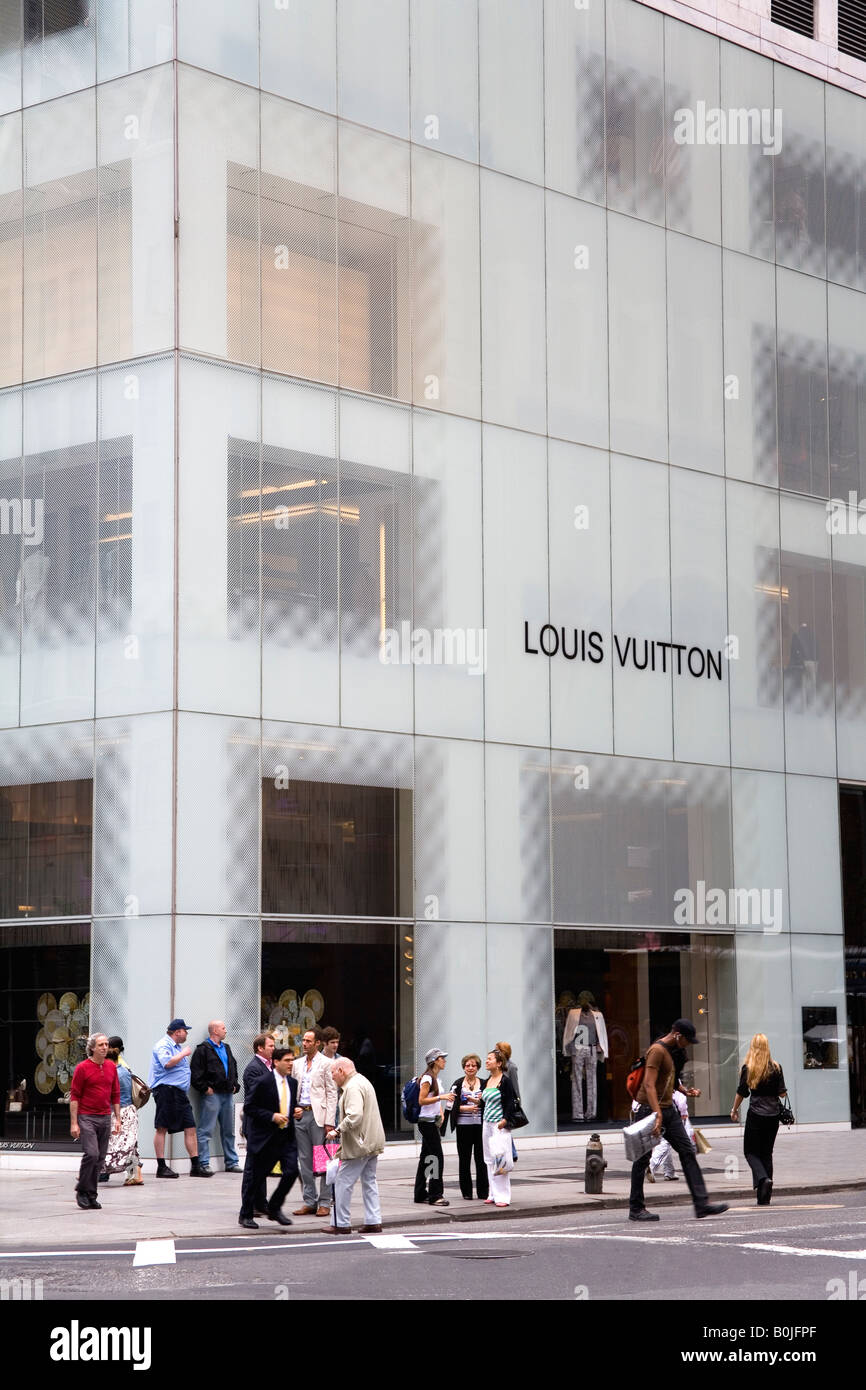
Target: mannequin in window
(584,1040)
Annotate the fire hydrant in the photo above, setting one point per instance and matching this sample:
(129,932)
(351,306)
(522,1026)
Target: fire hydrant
(595,1165)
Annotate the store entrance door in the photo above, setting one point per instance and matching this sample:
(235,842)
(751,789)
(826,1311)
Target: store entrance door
(852,817)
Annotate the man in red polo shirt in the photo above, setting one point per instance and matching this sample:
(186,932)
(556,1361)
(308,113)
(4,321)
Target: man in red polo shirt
(94,1093)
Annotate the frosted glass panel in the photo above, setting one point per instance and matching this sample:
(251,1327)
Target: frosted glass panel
(849,634)
(520,1012)
(218,814)
(515,586)
(449,830)
(818,982)
(299,51)
(133,34)
(450,962)
(512,290)
(813,854)
(221,35)
(754,619)
(699,617)
(641,606)
(517,829)
(634,110)
(581,695)
(574,99)
(751,433)
(132,816)
(446,491)
(761,847)
(10,55)
(59,47)
(373,64)
(576,264)
(11,549)
(798,172)
(692,168)
(801,364)
(846,187)
(695,388)
(638,346)
(11,249)
(511,80)
(747,173)
(444,76)
(807,638)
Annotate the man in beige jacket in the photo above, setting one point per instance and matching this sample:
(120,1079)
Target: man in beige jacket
(315,1112)
(362,1139)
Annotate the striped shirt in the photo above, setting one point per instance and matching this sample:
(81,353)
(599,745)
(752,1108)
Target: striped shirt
(492,1105)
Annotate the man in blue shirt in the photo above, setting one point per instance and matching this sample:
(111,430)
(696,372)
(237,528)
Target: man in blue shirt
(169,1080)
(214,1075)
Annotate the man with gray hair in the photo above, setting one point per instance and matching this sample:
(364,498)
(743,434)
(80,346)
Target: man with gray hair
(362,1139)
(94,1094)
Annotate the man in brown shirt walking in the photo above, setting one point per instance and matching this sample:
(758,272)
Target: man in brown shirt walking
(656,1094)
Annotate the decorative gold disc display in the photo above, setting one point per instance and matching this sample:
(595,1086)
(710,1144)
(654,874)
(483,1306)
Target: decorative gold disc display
(44,1081)
(314,1001)
(46,1003)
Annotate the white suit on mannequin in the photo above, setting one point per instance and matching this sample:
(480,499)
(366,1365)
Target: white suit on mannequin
(583,1039)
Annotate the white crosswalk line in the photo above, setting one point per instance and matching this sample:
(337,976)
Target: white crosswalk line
(391,1243)
(154,1252)
(799,1250)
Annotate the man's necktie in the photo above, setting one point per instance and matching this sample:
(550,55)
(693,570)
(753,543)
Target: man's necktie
(284,1100)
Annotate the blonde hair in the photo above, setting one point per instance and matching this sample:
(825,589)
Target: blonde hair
(759,1063)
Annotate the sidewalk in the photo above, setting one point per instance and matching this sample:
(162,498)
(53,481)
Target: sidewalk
(38,1210)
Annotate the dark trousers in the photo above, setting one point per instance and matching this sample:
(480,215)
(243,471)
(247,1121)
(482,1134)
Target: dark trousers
(95,1134)
(428,1176)
(758,1140)
(256,1169)
(469,1143)
(674,1131)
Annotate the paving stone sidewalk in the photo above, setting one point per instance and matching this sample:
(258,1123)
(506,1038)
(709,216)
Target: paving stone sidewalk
(38,1210)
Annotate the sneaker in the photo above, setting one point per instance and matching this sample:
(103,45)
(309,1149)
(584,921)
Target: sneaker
(714,1209)
(235,1168)
(643,1215)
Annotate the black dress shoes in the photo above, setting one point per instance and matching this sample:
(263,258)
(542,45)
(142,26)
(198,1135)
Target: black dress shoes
(643,1215)
(765,1192)
(279,1218)
(714,1209)
(248,1223)
(83,1201)
(94,1205)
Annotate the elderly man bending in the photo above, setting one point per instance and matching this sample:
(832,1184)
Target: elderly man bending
(362,1139)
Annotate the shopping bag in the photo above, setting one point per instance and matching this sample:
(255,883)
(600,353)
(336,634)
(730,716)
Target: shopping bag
(321,1155)
(501,1152)
(331,1171)
(639,1138)
(701,1144)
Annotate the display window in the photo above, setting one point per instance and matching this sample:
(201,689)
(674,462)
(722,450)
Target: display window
(615,992)
(44,1026)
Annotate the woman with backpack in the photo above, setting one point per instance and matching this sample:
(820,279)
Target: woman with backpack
(429,1185)
(762,1081)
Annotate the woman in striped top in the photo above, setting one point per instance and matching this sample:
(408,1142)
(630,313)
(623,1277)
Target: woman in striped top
(497,1099)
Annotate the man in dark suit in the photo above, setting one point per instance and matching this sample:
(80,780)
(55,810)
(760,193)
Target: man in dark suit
(268,1109)
(261,1064)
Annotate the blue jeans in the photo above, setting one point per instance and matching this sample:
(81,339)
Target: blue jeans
(218,1107)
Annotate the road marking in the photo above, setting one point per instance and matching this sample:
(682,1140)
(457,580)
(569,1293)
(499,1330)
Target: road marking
(798,1250)
(154,1252)
(391,1243)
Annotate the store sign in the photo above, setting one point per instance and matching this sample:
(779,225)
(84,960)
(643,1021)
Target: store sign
(639,653)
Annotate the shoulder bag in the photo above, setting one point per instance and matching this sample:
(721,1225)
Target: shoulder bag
(786,1114)
(140,1092)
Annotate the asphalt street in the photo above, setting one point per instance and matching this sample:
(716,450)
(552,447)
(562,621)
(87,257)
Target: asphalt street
(800,1249)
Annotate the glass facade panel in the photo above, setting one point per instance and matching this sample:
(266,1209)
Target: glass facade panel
(761,848)
(576,267)
(581,704)
(373,64)
(135,186)
(699,614)
(801,366)
(846,187)
(60,230)
(755,596)
(218,815)
(849,646)
(11,249)
(444,76)
(692,166)
(446,340)
(818,988)
(221,35)
(10,55)
(846,320)
(574,82)
(799,194)
(638,338)
(447,576)
(517,687)
(449,830)
(695,385)
(640,607)
(634,111)
(807,638)
(517,830)
(747,173)
(511,85)
(751,421)
(299,51)
(13,548)
(59,47)
(132,812)
(813,854)
(518,980)
(512,291)
(132,34)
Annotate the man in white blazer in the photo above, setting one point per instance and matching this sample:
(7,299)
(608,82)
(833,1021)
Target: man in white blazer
(315,1112)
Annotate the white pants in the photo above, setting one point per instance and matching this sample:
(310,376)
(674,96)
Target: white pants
(500,1183)
(351,1169)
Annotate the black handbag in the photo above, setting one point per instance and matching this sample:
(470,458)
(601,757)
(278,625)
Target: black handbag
(517,1116)
(786,1114)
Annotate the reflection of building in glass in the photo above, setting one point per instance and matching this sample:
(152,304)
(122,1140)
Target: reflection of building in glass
(310,332)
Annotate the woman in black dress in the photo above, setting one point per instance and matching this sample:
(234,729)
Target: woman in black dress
(762,1081)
